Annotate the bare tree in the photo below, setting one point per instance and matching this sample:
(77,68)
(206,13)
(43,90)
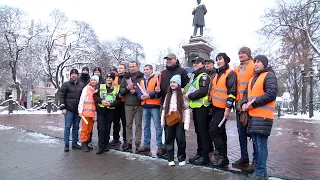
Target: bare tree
(123,50)
(17,35)
(296,15)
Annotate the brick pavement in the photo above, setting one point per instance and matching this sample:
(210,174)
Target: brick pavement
(25,155)
(293,144)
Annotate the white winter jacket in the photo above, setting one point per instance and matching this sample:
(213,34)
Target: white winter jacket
(173,107)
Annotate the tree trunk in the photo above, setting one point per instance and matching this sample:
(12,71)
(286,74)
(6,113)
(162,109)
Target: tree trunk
(296,92)
(17,86)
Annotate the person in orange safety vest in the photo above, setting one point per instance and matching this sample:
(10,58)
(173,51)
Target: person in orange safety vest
(261,91)
(87,111)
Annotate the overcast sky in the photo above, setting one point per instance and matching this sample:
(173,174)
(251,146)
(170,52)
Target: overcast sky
(158,24)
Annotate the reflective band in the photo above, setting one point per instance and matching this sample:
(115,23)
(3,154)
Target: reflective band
(266,108)
(88,102)
(241,91)
(88,110)
(231,96)
(242,83)
(220,91)
(219,99)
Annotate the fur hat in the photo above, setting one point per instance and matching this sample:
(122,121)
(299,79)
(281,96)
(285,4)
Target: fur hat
(111,75)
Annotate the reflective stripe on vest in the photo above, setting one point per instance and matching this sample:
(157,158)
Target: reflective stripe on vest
(266,111)
(204,101)
(107,96)
(150,88)
(219,90)
(243,80)
(89,107)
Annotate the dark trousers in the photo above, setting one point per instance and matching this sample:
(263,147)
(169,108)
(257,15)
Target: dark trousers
(219,135)
(120,114)
(104,125)
(209,118)
(172,133)
(201,125)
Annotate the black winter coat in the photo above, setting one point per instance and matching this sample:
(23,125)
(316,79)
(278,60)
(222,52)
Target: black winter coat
(70,93)
(167,75)
(258,125)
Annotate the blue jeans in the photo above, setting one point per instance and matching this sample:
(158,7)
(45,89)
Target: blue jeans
(71,119)
(153,113)
(261,142)
(243,140)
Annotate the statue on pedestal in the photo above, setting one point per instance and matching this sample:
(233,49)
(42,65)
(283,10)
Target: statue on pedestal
(198,17)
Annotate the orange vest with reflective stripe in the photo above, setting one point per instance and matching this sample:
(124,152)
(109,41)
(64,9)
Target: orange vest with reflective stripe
(151,86)
(242,81)
(265,111)
(219,90)
(116,83)
(89,107)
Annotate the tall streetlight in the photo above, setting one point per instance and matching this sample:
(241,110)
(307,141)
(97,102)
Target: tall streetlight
(310,76)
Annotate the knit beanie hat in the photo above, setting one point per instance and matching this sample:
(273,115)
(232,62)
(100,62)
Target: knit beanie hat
(74,71)
(245,50)
(85,68)
(176,78)
(263,59)
(95,77)
(225,57)
(111,75)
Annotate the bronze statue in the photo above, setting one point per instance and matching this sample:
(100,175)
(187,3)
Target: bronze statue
(198,18)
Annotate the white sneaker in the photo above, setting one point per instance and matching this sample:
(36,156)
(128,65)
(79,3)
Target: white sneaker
(171,163)
(182,163)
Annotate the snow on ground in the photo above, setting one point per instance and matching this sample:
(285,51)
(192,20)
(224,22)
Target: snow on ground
(37,138)
(303,116)
(53,128)
(42,111)
(5,127)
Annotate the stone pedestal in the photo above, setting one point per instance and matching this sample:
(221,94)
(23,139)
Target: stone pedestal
(197,47)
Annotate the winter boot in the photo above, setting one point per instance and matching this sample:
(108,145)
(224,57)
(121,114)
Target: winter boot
(85,147)
(66,148)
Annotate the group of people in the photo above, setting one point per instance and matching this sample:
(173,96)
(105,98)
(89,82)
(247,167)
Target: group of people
(170,99)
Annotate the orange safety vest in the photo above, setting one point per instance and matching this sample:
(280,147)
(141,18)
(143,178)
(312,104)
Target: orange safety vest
(151,86)
(89,107)
(116,83)
(242,81)
(219,90)
(266,111)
